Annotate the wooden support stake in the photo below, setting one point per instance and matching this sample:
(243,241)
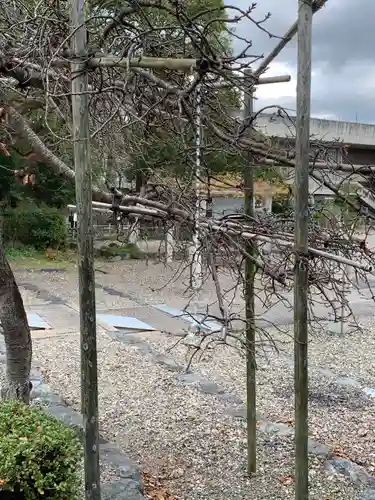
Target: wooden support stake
(305,14)
(250,270)
(83,182)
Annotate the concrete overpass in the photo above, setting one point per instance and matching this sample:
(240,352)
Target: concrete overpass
(360,135)
(347,142)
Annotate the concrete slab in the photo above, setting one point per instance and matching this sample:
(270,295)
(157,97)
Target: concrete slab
(194,319)
(158,319)
(36,322)
(61,318)
(43,334)
(124,322)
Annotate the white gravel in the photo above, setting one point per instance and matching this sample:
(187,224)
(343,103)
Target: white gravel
(175,431)
(341,417)
(186,437)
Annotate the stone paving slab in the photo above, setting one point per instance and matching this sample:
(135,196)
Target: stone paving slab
(30,298)
(158,319)
(43,334)
(42,294)
(62,318)
(107,302)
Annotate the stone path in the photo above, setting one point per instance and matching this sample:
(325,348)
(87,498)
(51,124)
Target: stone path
(64,319)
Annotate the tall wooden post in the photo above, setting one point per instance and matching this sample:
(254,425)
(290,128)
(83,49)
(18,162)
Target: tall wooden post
(250,271)
(305,14)
(83,181)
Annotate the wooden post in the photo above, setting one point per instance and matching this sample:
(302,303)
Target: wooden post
(305,14)
(250,271)
(83,182)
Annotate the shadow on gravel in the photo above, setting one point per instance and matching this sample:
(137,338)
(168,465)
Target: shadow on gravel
(328,397)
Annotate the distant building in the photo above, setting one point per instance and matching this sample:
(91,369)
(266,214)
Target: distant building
(335,141)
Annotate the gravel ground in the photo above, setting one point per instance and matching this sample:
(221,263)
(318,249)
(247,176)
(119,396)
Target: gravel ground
(342,418)
(177,432)
(185,436)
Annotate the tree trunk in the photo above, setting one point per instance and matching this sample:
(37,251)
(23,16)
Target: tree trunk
(16,334)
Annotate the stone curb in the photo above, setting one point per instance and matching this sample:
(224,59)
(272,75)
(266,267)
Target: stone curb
(333,465)
(129,484)
(342,381)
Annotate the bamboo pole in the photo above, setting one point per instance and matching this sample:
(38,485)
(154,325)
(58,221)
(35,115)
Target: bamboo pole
(316,6)
(83,183)
(200,204)
(265,80)
(305,14)
(250,270)
(231,228)
(108,61)
(317,165)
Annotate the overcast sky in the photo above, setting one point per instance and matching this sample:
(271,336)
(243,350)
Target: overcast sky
(343,78)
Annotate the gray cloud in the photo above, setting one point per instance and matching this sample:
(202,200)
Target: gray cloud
(343,55)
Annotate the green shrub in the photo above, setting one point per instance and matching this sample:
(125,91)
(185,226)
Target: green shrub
(39,227)
(282,204)
(126,250)
(39,456)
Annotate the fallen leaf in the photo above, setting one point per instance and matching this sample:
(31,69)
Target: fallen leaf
(154,489)
(340,453)
(287,421)
(286,480)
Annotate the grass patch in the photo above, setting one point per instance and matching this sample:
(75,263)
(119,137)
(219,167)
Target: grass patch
(28,257)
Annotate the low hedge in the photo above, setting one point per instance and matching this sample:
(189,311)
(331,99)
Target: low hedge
(39,455)
(35,226)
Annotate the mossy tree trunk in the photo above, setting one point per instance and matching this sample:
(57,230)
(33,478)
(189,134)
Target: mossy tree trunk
(16,334)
